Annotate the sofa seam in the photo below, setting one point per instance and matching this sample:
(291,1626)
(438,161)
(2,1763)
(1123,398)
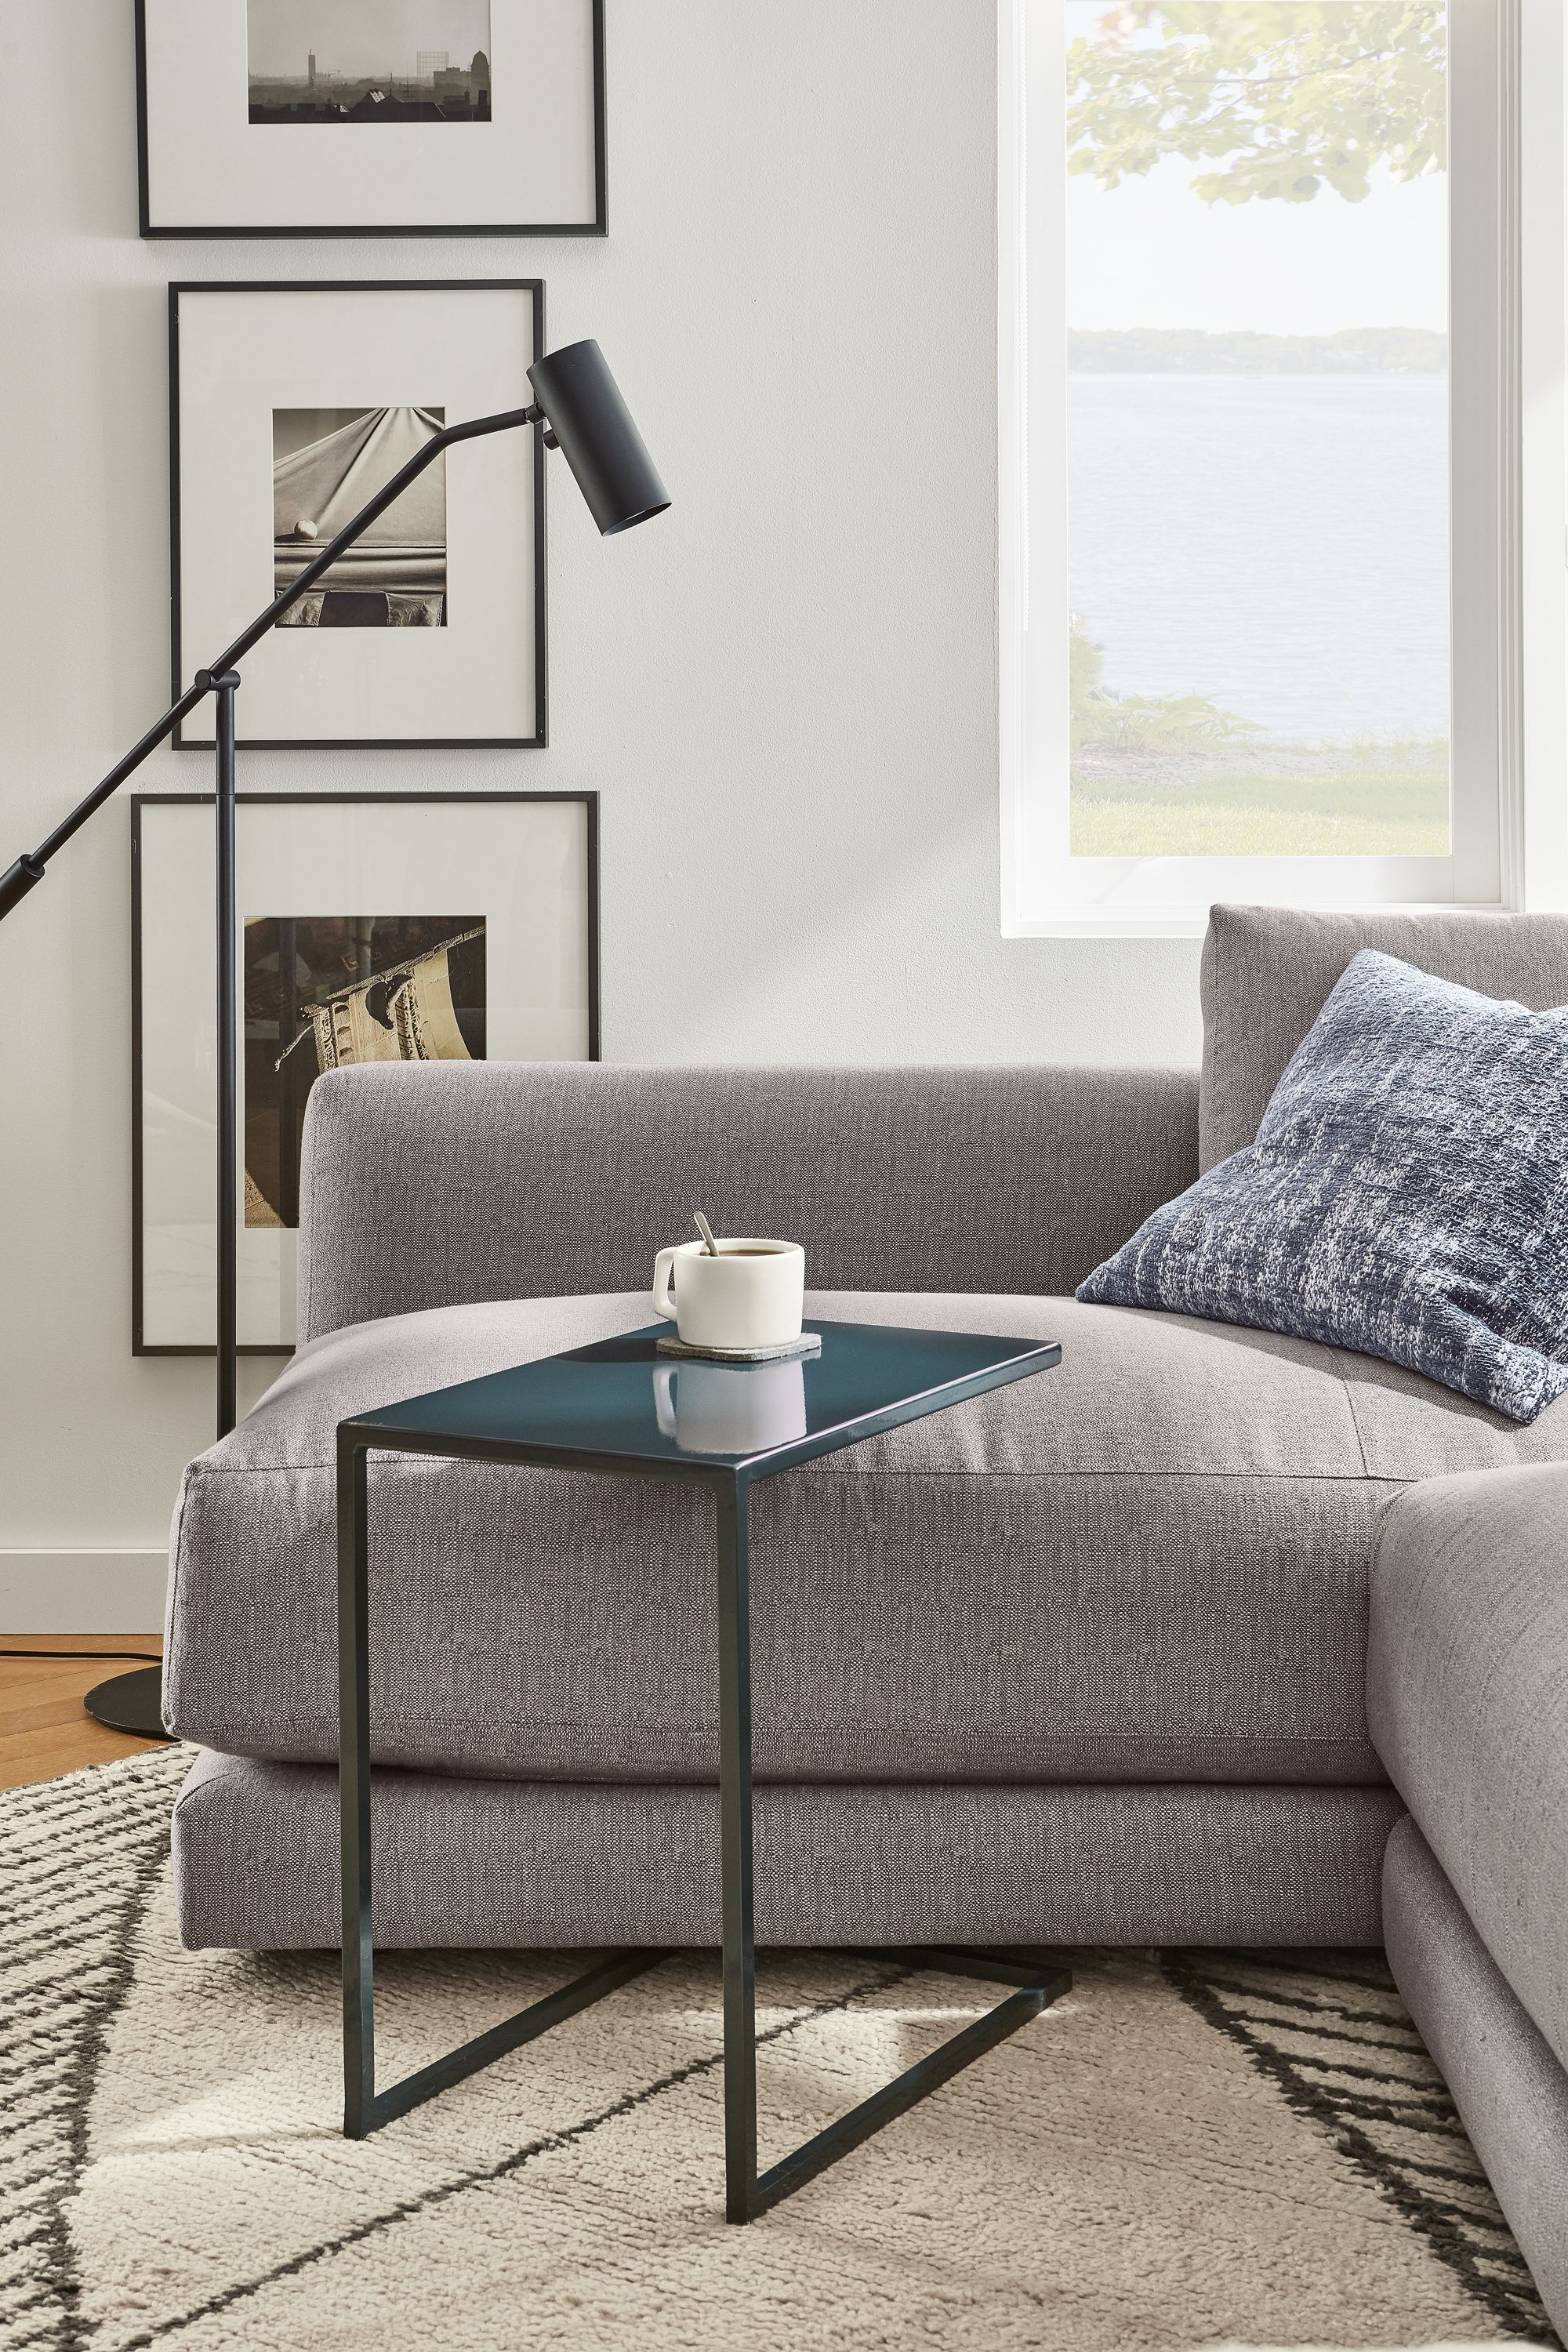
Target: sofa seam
(1284,1477)
(190,1789)
(170,1606)
(699,1728)
(1345,1382)
(534,1778)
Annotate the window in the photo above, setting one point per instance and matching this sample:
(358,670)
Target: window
(1261,432)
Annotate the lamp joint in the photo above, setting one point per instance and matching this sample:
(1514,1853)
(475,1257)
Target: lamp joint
(24,874)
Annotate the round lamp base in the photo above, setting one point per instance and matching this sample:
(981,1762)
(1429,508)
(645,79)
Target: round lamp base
(131,1703)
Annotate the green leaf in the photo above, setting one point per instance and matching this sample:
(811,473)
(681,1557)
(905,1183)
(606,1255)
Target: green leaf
(1289,96)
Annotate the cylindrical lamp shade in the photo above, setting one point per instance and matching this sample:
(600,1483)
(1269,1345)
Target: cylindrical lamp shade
(584,408)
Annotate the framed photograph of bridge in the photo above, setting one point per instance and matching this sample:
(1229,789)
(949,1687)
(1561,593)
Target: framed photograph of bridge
(291,405)
(383,926)
(379,118)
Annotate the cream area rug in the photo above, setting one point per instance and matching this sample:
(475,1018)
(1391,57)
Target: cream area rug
(1192,2149)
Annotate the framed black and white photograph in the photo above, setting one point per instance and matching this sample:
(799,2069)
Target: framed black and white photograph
(381,927)
(371,118)
(289,407)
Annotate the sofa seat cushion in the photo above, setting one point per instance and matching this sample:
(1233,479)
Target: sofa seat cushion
(1468,1701)
(553,1864)
(1149,1563)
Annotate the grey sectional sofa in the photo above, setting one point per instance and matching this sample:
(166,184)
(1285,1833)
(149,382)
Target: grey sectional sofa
(1082,1661)
(1468,1696)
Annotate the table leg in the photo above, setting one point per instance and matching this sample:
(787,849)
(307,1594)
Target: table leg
(353,1792)
(735,1835)
(1040,1977)
(366,2108)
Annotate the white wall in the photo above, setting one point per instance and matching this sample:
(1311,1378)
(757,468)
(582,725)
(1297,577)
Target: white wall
(796,664)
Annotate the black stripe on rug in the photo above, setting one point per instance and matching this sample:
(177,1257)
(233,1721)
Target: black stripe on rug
(1366,2127)
(74,1973)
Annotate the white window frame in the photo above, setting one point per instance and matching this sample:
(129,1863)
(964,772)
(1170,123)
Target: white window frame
(1508,733)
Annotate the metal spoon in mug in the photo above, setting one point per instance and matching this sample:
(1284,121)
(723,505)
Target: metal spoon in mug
(710,1245)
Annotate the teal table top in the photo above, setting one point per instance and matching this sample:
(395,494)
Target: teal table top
(617,1404)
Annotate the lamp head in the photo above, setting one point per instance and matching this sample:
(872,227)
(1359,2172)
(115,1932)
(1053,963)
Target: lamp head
(582,405)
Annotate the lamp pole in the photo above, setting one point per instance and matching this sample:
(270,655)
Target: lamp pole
(582,414)
(226,686)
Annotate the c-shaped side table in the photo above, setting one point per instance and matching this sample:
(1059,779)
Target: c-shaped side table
(610,1407)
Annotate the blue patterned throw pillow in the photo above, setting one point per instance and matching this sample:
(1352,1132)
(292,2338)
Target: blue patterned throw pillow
(1407,1196)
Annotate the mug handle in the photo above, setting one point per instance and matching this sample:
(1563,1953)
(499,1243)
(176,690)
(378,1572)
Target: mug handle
(663,1290)
(664,1398)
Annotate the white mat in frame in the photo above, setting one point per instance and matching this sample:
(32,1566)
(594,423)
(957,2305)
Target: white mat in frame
(240,354)
(524,864)
(534,167)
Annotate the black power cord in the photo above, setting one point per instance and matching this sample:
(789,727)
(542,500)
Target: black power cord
(143,1657)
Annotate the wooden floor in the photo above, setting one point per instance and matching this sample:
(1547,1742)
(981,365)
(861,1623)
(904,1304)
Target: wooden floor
(44,1727)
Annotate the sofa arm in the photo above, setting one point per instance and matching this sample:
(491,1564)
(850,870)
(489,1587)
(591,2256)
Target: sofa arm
(442,1184)
(1467,1705)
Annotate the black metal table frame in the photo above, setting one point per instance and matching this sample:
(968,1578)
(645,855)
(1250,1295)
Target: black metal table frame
(1039,1980)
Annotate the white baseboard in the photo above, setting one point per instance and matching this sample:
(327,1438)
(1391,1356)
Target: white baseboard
(82,1591)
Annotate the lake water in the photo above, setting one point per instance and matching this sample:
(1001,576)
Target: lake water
(1277,542)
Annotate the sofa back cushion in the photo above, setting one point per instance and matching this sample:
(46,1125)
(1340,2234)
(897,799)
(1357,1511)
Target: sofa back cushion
(444,1183)
(1267,972)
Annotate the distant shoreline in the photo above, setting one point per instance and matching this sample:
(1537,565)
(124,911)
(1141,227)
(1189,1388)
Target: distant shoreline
(1178,351)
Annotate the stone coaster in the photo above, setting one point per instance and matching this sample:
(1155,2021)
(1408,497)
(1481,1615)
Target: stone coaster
(808,1344)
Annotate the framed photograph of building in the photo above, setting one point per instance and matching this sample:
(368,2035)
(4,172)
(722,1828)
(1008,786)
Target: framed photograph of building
(376,927)
(371,118)
(290,407)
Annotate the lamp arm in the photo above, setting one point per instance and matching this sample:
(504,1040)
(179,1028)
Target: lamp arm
(26,872)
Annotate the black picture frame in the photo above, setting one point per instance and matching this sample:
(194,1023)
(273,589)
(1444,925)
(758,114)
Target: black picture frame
(539,740)
(587,800)
(597,227)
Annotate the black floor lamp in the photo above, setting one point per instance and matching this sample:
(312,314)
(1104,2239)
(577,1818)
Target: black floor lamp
(578,405)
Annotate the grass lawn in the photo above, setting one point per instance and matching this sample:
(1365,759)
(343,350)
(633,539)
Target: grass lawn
(1353,813)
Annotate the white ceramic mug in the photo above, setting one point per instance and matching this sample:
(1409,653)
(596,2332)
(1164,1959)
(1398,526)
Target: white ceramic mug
(750,1296)
(731,1408)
